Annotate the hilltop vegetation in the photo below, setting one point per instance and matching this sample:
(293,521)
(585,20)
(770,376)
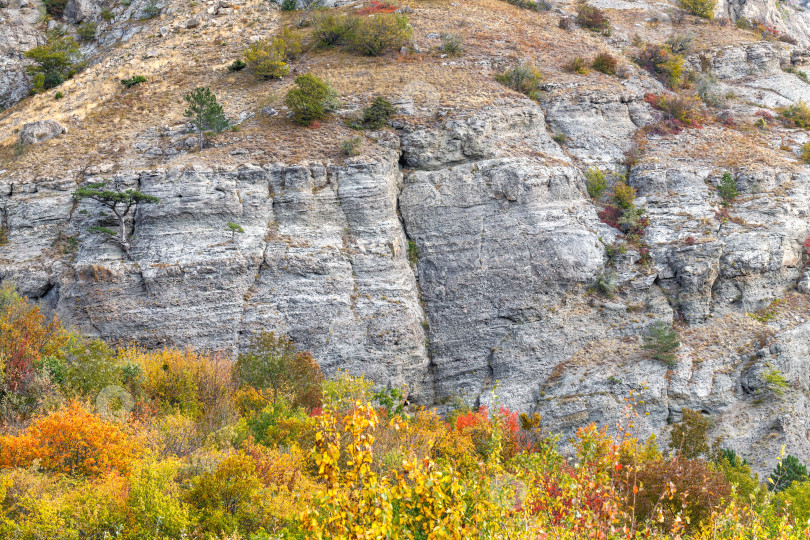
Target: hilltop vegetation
(123,443)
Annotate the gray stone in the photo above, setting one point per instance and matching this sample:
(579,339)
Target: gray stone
(41,131)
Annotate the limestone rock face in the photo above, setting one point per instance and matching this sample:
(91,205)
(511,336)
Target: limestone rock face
(77,11)
(41,131)
(18,33)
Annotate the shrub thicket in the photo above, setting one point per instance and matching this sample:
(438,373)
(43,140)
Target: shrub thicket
(374,36)
(524,78)
(701,8)
(662,63)
(592,18)
(268,59)
(605,63)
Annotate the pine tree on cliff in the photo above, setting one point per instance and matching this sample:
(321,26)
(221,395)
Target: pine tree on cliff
(120,203)
(205,112)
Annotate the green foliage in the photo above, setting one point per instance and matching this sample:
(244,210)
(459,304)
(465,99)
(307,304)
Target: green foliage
(351,147)
(624,195)
(593,18)
(775,381)
(330,30)
(133,81)
(151,10)
(268,59)
(55,62)
(605,63)
(805,151)
(273,363)
(107,14)
(452,44)
(413,253)
(595,182)
(796,500)
(688,437)
(700,8)
(58,95)
(374,36)
(391,400)
(738,473)
(787,471)
(524,78)
(662,342)
(55,8)
(289,5)
(237,65)
(87,31)
(311,99)
(727,189)
(205,112)
(377,114)
(279,424)
(605,283)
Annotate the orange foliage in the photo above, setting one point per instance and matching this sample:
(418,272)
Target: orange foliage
(72,441)
(26,335)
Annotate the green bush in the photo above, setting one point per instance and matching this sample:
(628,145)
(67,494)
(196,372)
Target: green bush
(151,10)
(55,8)
(624,195)
(595,182)
(330,30)
(311,99)
(377,114)
(237,65)
(279,424)
(268,58)
(662,342)
(701,8)
(605,63)
(351,147)
(452,44)
(688,437)
(107,14)
(87,31)
(787,471)
(56,61)
(133,81)
(374,36)
(727,188)
(289,5)
(524,78)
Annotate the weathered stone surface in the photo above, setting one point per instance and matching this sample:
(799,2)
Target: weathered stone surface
(41,131)
(77,11)
(18,33)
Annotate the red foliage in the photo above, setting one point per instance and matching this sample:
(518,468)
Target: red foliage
(765,115)
(690,240)
(377,7)
(610,215)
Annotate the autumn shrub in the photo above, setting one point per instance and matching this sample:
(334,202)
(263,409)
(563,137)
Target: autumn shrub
(595,182)
(27,335)
(663,64)
(272,362)
(71,441)
(796,115)
(374,36)
(279,424)
(678,112)
(524,77)
(311,99)
(592,18)
(577,65)
(605,63)
(224,500)
(154,502)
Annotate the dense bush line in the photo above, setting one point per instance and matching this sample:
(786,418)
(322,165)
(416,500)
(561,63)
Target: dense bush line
(126,443)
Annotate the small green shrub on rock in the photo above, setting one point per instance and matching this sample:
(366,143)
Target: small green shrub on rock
(595,182)
(662,342)
(133,81)
(237,65)
(351,147)
(727,188)
(592,18)
(311,99)
(452,44)
(524,78)
(268,58)
(55,8)
(577,65)
(377,114)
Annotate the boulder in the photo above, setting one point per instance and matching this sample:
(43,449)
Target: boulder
(41,131)
(77,11)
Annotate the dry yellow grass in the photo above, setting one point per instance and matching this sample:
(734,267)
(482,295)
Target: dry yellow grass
(104,120)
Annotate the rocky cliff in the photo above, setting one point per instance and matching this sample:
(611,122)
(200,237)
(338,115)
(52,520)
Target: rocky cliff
(460,252)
